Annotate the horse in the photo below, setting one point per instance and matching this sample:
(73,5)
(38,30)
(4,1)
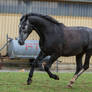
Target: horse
(56,39)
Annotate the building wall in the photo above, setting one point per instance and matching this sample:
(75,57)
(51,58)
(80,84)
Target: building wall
(9,25)
(60,8)
(69,13)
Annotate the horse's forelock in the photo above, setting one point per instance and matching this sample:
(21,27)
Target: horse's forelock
(24,18)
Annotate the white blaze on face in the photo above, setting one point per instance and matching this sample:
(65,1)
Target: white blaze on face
(19,26)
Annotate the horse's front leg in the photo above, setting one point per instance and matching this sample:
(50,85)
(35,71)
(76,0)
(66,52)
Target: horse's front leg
(34,64)
(49,63)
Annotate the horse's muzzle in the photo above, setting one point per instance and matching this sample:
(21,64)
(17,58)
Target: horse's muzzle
(21,42)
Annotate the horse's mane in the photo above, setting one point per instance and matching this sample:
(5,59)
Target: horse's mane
(43,16)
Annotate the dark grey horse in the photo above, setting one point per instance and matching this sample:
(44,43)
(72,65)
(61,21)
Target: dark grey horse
(57,40)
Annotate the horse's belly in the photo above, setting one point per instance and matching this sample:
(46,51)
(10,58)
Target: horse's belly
(71,52)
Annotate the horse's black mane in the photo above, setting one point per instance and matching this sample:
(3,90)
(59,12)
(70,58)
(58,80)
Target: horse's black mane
(42,16)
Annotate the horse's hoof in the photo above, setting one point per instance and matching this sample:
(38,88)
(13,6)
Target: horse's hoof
(69,86)
(55,77)
(29,82)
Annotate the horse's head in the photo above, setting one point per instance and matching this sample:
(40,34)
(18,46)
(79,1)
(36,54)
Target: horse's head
(25,28)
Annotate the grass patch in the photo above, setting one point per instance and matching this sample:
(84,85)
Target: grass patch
(16,82)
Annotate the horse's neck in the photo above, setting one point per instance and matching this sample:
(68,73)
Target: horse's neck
(40,33)
(40,29)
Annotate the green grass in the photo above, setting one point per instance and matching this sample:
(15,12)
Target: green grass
(16,82)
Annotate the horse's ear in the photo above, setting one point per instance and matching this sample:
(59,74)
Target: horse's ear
(25,17)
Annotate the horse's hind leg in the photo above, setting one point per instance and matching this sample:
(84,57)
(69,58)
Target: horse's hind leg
(46,67)
(84,67)
(78,63)
(78,68)
(34,64)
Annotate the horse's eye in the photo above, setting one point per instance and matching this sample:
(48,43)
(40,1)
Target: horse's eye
(22,27)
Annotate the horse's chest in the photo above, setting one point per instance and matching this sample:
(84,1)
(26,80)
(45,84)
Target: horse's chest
(48,48)
(51,47)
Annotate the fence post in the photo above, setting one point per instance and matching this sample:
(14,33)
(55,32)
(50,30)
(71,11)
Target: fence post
(57,66)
